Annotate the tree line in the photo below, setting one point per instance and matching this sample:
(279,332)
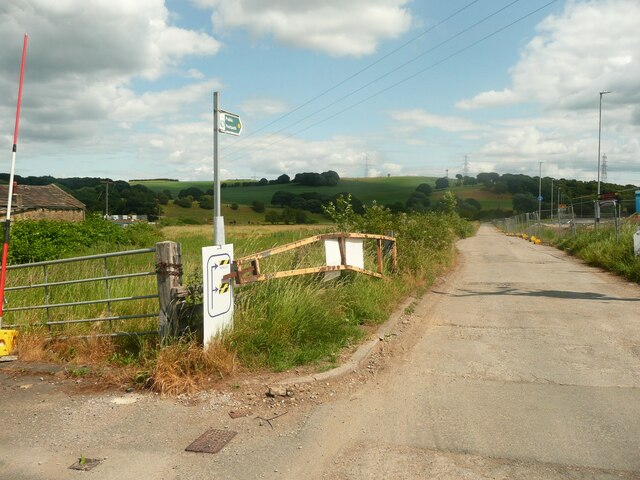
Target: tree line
(124,199)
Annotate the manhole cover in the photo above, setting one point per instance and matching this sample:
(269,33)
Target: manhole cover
(86,464)
(211,441)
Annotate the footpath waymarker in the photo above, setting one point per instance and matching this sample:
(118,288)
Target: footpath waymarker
(217,293)
(229,123)
(223,122)
(216,260)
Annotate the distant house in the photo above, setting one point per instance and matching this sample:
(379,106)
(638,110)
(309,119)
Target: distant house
(126,220)
(42,202)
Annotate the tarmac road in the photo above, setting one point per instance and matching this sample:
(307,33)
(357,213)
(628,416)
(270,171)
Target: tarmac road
(523,364)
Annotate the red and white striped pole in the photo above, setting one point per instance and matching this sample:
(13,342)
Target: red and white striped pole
(7,224)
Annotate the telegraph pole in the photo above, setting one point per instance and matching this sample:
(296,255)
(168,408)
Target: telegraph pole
(540,198)
(552,200)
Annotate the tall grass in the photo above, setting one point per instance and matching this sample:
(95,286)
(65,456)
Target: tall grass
(278,324)
(600,247)
(289,322)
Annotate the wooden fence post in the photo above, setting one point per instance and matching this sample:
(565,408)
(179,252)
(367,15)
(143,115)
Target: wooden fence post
(169,277)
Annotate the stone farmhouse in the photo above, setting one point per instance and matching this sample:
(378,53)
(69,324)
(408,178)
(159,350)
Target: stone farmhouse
(42,202)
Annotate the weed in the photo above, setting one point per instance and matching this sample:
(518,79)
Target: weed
(78,371)
(184,366)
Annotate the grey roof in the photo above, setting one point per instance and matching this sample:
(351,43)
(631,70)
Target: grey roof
(40,196)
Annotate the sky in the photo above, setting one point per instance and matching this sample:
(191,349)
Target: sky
(124,89)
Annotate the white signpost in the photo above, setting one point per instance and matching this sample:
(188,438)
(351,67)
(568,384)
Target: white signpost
(217,293)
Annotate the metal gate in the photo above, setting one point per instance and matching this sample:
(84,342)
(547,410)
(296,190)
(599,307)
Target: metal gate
(105,294)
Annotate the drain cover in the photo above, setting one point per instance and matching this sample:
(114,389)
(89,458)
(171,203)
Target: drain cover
(211,441)
(86,464)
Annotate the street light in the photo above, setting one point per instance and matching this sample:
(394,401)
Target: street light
(604,92)
(540,198)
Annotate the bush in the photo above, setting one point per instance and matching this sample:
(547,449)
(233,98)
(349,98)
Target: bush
(206,202)
(40,240)
(272,217)
(258,206)
(194,192)
(184,202)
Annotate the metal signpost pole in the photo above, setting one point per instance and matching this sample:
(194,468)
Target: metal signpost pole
(218,220)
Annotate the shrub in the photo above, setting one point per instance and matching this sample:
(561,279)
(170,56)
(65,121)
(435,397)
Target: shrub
(184,202)
(272,217)
(206,202)
(258,206)
(40,240)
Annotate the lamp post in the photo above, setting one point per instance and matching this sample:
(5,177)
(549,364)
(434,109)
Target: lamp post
(540,199)
(604,92)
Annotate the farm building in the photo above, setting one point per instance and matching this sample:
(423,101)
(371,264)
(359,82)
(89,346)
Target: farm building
(42,202)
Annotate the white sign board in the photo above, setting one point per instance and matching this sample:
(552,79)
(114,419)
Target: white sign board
(636,243)
(354,252)
(217,294)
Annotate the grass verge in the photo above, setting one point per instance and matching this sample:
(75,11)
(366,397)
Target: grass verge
(602,248)
(279,324)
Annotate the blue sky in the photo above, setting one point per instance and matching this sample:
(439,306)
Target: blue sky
(124,89)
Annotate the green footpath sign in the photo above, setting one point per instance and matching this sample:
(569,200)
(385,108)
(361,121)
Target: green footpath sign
(230,123)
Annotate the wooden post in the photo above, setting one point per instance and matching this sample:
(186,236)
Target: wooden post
(379,252)
(343,250)
(169,277)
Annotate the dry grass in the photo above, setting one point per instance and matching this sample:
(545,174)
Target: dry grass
(185,367)
(31,346)
(238,231)
(37,345)
(181,367)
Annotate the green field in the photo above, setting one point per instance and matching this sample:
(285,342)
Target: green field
(244,215)
(488,200)
(384,190)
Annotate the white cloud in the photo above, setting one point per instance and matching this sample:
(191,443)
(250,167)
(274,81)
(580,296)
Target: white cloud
(590,46)
(258,107)
(270,156)
(490,99)
(410,121)
(525,142)
(335,27)
(81,62)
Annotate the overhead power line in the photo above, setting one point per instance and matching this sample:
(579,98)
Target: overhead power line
(388,73)
(362,70)
(406,79)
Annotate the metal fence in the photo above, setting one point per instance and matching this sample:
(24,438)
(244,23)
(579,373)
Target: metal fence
(51,294)
(562,222)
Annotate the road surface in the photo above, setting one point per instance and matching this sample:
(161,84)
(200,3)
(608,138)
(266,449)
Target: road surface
(523,364)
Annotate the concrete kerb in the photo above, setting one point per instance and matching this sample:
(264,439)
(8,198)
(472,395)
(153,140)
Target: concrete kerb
(361,353)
